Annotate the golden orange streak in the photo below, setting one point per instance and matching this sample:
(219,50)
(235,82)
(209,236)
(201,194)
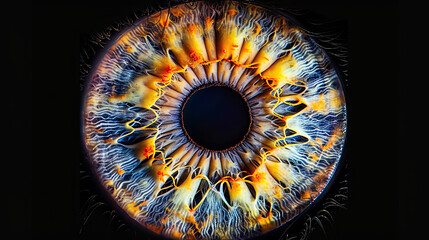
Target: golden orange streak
(205,195)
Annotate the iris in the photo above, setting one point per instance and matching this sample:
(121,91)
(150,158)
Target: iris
(214,121)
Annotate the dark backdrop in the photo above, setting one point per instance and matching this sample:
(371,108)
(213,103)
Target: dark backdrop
(43,197)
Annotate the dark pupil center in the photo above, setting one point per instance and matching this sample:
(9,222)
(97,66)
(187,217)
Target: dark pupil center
(216,117)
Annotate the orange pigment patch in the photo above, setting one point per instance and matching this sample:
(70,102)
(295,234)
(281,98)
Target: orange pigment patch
(128,48)
(208,22)
(257,29)
(232,12)
(195,56)
(167,73)
(156,229)
(120,171)
(117,97)
(148,151)
(164,19)
(161,175)
(306,195)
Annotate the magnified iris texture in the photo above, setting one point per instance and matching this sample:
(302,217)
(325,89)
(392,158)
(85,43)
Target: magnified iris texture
(167,181)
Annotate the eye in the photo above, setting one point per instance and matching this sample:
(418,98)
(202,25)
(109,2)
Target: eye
(214,121)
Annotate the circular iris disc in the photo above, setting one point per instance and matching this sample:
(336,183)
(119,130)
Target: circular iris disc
(132,121)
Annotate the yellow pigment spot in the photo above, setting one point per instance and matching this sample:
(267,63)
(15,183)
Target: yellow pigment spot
(319,105)
(306,195)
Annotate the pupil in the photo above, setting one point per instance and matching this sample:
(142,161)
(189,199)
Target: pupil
(216,117)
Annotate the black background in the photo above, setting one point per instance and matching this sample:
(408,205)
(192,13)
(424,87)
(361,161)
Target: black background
(42,190)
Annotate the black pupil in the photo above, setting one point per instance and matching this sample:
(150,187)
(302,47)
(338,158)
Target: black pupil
(216,117)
